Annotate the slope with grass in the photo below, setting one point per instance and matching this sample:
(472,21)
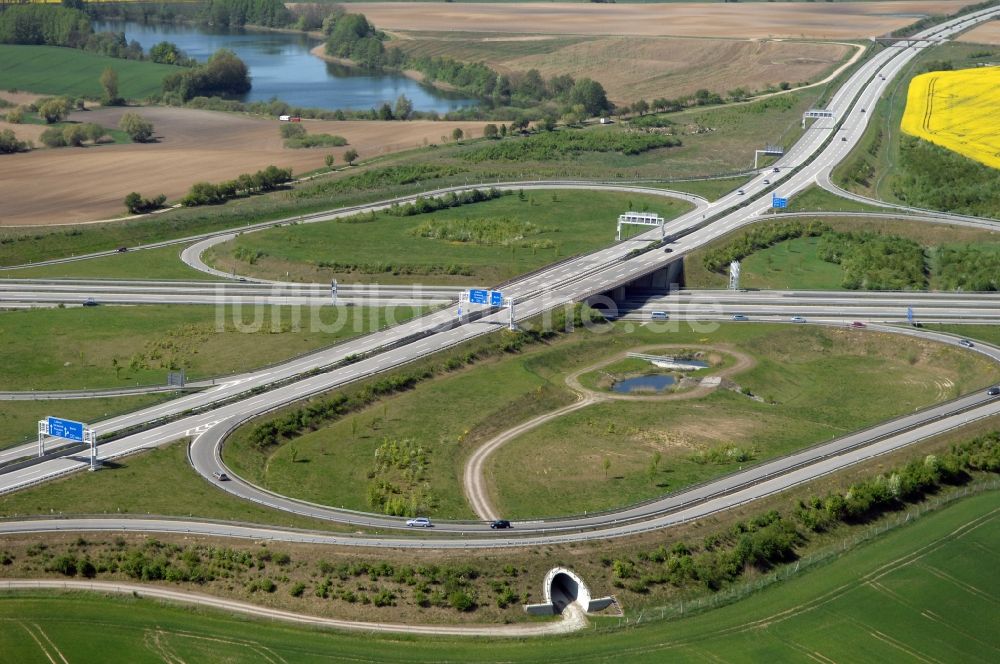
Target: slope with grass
(923,589)
(111,346)
(68,71)
(526,231)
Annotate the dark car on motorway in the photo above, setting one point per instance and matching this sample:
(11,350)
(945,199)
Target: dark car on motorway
(500,524)
(122,250)
(993,391)
(90,302)
(857,323)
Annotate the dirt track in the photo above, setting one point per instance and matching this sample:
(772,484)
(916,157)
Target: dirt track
(826,20)
(70,185)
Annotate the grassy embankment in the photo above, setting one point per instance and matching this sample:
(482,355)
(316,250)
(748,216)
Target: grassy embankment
(921,589)
(529,231)
(796,263)
(847,373)
(109,346)
(68,71)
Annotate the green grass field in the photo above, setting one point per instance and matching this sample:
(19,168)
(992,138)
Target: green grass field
(450,416)
(925,591)
(815,199)
(816,384)
(121,346)
(794,264)
(134,485)
(569,223)
(19,419)
(69,71)
(161,263)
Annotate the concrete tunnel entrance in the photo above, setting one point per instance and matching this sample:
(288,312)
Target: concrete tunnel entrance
(563,587)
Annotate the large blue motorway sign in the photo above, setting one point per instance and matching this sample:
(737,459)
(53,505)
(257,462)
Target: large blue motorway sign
(777,203)
(67,429)
(483,296)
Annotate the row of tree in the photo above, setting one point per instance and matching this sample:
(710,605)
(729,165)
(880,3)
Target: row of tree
(206,193)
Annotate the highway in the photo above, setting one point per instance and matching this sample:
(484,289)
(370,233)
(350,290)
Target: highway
(815,154)
(108,291)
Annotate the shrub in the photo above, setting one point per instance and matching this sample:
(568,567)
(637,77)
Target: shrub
(53,137)
(138,128)
(10,144)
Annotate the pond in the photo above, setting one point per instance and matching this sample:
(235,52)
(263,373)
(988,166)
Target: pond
(281,66)
(647,383)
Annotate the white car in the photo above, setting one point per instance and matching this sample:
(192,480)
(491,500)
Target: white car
(419,522)
(798,319)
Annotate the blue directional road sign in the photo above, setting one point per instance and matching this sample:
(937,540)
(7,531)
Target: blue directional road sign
(67,429)
(496,298)
(478,296)
(777,202)
(909,315)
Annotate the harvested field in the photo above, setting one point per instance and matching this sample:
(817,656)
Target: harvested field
(192,145)
(987,33)
(660,67)
(757,20)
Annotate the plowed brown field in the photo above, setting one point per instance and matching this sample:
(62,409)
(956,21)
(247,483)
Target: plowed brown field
(70,185)
(840,20)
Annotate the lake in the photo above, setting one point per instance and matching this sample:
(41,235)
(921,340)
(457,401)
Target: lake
(281,66)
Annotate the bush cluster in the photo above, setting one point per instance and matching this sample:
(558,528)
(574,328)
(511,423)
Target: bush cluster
(450,200)
(9,143)
(939,179)
(872,261)
(377,179)
(770,539)
(757,238)
(136,204)
(567,142)
(206,193)
(967,268)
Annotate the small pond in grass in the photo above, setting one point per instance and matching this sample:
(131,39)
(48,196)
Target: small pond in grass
(647,383)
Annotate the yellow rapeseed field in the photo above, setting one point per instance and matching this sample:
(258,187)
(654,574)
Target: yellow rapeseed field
(958,111)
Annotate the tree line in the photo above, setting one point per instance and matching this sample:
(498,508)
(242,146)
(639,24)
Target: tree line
(353,37)
(206,193)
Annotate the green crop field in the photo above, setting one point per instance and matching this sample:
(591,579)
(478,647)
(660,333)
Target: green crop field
(161,263)
(925,591)
(69,71)
(388,250)
(122,346)
(849,374)
(19,419)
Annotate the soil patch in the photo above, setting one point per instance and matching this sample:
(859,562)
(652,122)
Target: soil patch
(841,20)
(191,146)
